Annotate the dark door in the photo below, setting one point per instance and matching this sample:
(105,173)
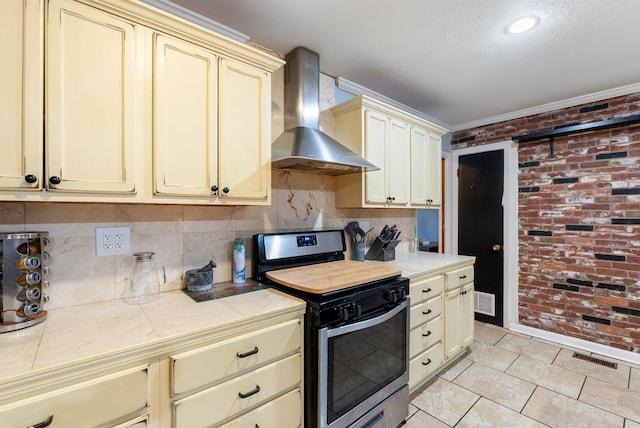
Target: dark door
(480,227)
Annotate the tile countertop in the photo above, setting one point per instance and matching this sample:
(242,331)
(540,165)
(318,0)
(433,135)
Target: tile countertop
(80,333)
(424,263)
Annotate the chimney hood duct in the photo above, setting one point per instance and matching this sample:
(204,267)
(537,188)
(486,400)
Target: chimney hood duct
(303,147)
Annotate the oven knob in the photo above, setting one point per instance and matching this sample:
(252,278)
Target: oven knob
(391,295)
(356,309)
(403,293)
(343,313)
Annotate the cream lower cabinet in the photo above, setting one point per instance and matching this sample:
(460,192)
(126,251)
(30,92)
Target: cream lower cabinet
(120,399)
(21,99)
(246,381)
(441,321)
(459,319)
(400,144)
(426,336)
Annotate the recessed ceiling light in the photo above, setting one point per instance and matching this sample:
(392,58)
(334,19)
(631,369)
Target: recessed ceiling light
(523,24)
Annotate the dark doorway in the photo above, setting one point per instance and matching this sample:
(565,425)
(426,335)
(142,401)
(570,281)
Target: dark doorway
(480,228)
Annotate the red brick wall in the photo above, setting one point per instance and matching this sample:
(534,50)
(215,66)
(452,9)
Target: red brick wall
(579,222)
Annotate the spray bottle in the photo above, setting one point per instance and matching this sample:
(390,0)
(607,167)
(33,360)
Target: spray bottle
(238,262)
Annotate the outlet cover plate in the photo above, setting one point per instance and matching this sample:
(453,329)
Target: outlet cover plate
(113,240)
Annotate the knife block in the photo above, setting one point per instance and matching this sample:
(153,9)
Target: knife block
(382,251)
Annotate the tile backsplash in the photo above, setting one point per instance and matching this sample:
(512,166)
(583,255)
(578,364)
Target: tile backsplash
(182,236)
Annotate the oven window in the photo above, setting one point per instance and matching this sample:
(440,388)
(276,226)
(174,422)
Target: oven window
(364,361)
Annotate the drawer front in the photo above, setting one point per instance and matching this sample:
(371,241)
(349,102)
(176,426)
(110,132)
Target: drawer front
(460,277)
(425,336)
(425,289)
(425,311)
(425,364)
(209,364)
(283,412)
(215,404)
(88,403)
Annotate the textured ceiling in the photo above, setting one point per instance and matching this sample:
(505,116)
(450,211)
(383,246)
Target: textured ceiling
(452,59)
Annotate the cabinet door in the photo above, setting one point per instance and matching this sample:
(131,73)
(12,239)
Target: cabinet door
(245,132)
(376,135)
(185,116)
(452,316)
(425,168)
(398,160)
(92,403)
(466,316)
(21,94)
(92,100)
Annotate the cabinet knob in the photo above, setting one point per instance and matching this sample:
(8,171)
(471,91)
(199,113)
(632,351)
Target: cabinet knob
(214,190)
(55,180)
(225,190)
(430,201)
(30,178)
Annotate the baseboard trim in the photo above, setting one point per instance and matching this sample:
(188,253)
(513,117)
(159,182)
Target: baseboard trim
(607,351)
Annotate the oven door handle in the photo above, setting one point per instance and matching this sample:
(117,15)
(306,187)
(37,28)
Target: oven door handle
(338,331)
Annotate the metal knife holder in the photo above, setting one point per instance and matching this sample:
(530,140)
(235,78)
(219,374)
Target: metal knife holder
(382,251)
(23,279)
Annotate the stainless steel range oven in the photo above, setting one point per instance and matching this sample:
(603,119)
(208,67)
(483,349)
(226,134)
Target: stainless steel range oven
(356,336)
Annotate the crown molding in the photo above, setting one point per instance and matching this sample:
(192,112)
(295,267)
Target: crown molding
(544,108)
(356,89)
(198,19)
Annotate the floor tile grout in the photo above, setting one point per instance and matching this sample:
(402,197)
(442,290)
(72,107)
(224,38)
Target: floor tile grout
(558,360)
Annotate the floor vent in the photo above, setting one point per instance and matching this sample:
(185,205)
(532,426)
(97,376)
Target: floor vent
(595,360)
(484,303)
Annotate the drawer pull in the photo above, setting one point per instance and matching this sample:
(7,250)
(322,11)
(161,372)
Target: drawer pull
(427,312)
(427,334)
(428,290)
(247,354)
(463,276)
(427,363)
(250,393)
(43,424)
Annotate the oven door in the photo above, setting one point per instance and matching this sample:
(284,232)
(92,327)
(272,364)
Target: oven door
(362,364)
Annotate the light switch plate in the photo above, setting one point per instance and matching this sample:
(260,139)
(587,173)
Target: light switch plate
(113,240)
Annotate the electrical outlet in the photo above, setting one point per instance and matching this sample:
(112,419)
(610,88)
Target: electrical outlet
(113,240)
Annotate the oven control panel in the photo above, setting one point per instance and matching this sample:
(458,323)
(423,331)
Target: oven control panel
(307,240)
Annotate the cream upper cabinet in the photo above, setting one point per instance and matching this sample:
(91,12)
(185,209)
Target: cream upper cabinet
(245,140)
(185,116)
(426,168)
(389,138)
(139,106)
(93,98)
(21,85)
(387,147)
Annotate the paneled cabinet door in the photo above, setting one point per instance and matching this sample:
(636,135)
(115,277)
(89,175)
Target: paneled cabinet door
(185,116)
(399,158)
(387,147)
(245,140)
(375,135)
(93,98)
(459,318)
(426,154)
(21,97)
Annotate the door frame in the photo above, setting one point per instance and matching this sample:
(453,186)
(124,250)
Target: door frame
(510,222)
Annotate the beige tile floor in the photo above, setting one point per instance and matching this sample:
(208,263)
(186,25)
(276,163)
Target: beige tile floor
(513,380)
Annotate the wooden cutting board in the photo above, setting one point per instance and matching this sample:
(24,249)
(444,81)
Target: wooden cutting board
(325,277)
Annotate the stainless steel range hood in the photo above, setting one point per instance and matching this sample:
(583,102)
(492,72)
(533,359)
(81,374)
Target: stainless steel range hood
(303,147)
